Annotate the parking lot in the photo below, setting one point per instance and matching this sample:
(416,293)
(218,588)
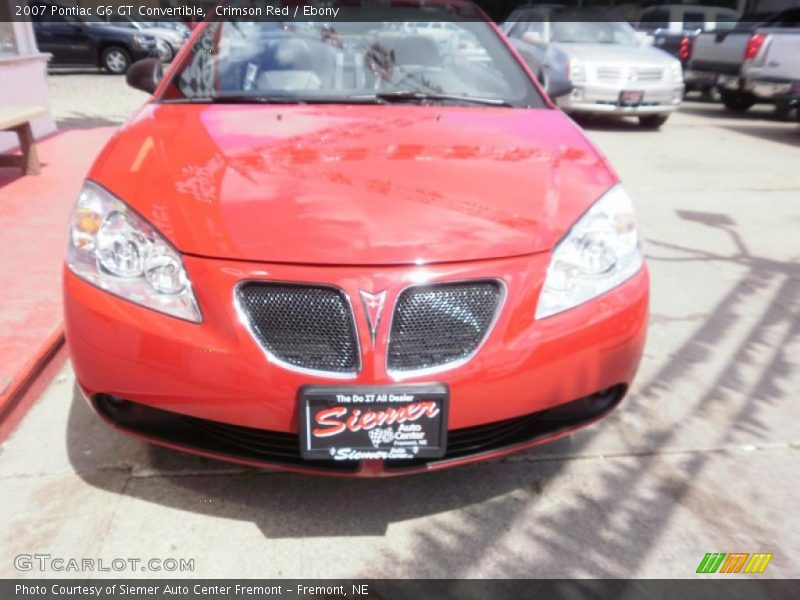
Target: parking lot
(701,457)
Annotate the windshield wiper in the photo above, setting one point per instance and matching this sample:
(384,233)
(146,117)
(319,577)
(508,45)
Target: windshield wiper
(410,95)
(266,99)
(235,99)
(254,99)
(378,98)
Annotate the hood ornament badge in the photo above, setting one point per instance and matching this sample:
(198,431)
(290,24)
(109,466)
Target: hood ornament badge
(373,309)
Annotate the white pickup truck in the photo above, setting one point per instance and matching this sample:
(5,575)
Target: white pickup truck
(720,58)
(773,75)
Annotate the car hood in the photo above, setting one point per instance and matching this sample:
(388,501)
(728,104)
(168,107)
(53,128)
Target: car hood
(617,53)
(354,185)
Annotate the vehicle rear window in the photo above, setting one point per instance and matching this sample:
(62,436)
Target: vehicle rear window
(694,20)
(653,19)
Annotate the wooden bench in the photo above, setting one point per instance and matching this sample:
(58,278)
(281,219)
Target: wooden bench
(18,119)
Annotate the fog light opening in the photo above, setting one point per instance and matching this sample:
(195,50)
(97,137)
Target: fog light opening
(116,402)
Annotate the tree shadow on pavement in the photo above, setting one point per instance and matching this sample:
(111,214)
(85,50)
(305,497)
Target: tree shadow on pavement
(610,530)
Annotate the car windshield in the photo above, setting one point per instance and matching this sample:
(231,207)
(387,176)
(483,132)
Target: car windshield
(378,62)
(587,32)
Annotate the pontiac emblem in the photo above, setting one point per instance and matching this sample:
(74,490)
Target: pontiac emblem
(373,308)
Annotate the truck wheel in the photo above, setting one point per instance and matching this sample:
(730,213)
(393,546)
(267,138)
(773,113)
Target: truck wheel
(116,60)
(737,101)
(652,121)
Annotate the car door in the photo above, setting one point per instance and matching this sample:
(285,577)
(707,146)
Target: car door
(58,37)
(66,39)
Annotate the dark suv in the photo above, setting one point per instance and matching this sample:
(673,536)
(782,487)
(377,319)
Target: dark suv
(74,42)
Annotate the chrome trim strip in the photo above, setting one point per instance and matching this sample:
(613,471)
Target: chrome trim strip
(244,320)
(401,374)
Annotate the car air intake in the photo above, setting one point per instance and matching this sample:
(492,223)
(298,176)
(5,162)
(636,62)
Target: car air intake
(304,327)
(441,325)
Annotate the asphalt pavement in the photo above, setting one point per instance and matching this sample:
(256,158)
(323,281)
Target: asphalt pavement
(701,457)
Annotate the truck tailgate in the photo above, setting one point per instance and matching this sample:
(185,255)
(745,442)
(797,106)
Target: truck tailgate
(782,56)
(719,52)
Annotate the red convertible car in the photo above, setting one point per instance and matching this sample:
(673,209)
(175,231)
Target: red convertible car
(353,248)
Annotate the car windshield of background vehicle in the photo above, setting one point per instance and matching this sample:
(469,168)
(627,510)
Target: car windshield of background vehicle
(587,32)
(352,62)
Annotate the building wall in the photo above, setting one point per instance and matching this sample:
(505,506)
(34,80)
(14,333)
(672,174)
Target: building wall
(23,76)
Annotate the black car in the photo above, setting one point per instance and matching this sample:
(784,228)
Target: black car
(74,42)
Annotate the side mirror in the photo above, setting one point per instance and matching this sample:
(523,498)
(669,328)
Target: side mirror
(145,74)
(533,38)
(559,87)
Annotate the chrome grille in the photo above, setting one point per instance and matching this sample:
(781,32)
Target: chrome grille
(609,73)
(615,74)
(305,327)
(648,73)
(442,324)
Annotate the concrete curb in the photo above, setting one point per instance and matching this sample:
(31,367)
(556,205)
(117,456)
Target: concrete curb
(30,382)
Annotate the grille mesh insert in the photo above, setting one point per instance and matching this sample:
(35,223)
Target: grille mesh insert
(310,327)
(439,324)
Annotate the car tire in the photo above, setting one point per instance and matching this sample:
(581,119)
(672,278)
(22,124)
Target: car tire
(116,60)
(652,121)
(737,101)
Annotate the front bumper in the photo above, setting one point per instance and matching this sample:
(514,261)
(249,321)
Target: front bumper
(142,52)
(216,372)
(700,79)
(604,99)
(777,90)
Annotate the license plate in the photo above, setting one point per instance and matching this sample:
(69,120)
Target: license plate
(628,98)
(398,422)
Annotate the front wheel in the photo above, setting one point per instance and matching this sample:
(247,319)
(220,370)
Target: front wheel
(116,60)
(652,121)
(737,101)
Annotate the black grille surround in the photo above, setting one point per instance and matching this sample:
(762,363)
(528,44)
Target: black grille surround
(441,325)
(265,447)
(304,327)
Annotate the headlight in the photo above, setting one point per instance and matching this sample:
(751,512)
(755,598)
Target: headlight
(115,249)
(600,252)
(140,40)
(164,49)
(576,71)
(676,72)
